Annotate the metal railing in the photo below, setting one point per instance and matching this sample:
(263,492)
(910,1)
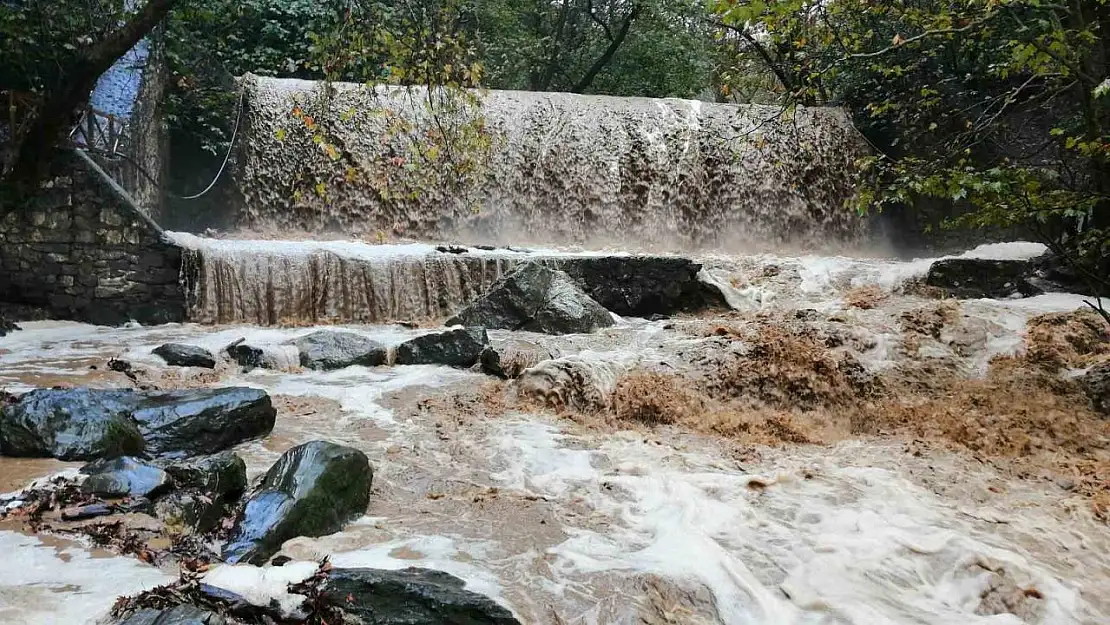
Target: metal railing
(100,132)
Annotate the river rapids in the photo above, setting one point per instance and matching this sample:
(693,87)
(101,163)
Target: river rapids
(570,517)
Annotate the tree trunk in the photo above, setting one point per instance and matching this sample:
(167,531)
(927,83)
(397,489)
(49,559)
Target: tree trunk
(610,52)
(56,112)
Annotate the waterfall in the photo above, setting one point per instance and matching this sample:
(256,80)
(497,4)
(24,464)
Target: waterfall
(312,282)
(649,174)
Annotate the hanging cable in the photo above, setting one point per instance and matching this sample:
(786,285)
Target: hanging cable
(230,147)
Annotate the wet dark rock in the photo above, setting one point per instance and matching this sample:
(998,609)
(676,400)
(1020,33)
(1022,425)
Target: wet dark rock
(246,356)
(209,487)
(971,278)
(203,421)
(7,327)
(1096,383)
(459,347)
(451,249)
(86,424)
(178,615)
(639,286)
(507,359)
(87,512)
(124,477)
(328,349)
(191,510)
(223,474)
(1053,273)
(410,597)
(537,298)
(79,424)
(121,366)
(179,355)
(314,489)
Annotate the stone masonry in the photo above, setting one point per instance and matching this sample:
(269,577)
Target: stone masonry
(80,251)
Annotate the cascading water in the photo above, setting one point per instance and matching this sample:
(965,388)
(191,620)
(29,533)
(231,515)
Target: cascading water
(274,282)
(564,169)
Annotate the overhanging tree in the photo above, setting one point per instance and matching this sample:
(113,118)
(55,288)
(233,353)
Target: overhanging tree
(58,50)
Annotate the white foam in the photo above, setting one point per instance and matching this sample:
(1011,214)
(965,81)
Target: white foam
(51,585)
(262,585)
(857,545)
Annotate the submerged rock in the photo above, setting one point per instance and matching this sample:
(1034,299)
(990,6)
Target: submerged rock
(970,278)
(537,298)
(178,615)
(328,349)
(1096,383)
(511,357)
(312,490)
(410,597)
(250,357)
(459,347)
(85,424)
(179,355)
(124,477)
(572,382)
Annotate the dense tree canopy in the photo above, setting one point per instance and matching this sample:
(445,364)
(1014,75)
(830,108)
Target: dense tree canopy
(1001,106)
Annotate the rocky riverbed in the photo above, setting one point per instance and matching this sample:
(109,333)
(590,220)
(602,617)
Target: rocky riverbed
(847,443)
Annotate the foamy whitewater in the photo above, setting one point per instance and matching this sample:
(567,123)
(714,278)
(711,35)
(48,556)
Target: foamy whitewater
(565,524)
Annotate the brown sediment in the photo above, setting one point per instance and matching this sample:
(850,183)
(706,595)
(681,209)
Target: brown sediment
(15,473)
(865,297)
(1072,339)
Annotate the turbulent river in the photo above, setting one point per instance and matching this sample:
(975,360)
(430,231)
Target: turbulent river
(582,521)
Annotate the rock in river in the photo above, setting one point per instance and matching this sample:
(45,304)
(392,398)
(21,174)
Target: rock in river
(537,298)
(970,278)
(124,477)
(458,347)
(179,355)
(85,424)
(328,349)
(1096,383)
(410,597)
(312,490)
(183,614)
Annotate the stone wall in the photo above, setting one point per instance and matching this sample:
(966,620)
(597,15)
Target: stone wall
(81,251)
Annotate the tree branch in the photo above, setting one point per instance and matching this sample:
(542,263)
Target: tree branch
(610,52)
(59,105)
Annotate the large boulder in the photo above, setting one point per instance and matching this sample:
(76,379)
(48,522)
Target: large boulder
(1096,383)
(410,597)
(203,421)
(312,490)
(72,424)
(183,614)
(328,349)
(458,347)
(180,355)
(973,278)
(537,298)
(124,477)
(86,424)
(509,358)
(641,286)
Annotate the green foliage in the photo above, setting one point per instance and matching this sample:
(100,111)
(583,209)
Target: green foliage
(552,46)
(425,104)
(999,106)
(42,40)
